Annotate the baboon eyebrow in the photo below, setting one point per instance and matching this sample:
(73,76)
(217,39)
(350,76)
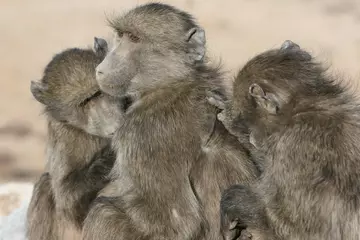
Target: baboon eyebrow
(133,36)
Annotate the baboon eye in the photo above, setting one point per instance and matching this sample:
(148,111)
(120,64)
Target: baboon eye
(120,34)
(132,37)
(87,100)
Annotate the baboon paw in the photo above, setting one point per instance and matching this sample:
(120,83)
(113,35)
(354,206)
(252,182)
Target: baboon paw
(221,116)
(225,119)
(245,235)
(216,102)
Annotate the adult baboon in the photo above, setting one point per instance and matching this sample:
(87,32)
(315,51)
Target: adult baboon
(79,157)
(308,127)
(173,157)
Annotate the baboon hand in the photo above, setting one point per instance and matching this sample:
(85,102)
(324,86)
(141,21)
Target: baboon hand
(245,235)
(215,99)
(226,119)
(232,231)
(288,44)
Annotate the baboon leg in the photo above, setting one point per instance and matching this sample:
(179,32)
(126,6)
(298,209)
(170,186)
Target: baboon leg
(109,222)
(41,215)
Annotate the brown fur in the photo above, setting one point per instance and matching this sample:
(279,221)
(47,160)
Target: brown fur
(79,156)
(308,127)
(173,157)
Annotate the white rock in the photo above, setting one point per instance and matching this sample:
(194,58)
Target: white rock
(14,201)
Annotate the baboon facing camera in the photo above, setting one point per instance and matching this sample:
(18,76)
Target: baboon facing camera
(308,127)
(173,156)
(81,121)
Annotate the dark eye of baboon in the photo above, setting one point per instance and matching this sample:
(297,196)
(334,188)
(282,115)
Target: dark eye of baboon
(133,37)
(130,35)
(87,100)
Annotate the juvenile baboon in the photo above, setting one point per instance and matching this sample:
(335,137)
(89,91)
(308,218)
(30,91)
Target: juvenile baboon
(307,124)
(173,157)
(81,121)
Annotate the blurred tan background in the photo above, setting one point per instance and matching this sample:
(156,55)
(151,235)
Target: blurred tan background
(31,32)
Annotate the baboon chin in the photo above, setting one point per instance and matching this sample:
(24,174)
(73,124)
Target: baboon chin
(306,124)
(81,121)
(173,156)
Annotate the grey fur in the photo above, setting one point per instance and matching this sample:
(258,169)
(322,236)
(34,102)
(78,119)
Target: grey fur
(81,121)
(311,142)
(173,157)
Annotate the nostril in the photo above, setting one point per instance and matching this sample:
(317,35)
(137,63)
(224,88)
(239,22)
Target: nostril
(98,71)
(99,74)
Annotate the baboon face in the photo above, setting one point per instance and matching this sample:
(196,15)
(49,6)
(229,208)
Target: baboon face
(71,94)
(151,43)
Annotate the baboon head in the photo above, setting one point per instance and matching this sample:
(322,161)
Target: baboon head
(268,88)
(71,94)
(152,42)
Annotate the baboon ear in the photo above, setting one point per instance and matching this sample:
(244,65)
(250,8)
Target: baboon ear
(100,46)
(197,40)
(256,91)
(266,100)
(38,90)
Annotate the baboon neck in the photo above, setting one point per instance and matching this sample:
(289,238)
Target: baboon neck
(210,74)
(164,95)
(202,78)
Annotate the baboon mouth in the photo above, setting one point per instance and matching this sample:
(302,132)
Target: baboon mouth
(126,102)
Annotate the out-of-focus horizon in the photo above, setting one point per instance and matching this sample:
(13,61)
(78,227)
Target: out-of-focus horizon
(33,31)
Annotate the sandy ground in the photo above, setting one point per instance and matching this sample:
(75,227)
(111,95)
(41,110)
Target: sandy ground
(31,32)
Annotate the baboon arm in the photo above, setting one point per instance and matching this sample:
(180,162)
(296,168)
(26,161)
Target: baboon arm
(81,186)
(108,222)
